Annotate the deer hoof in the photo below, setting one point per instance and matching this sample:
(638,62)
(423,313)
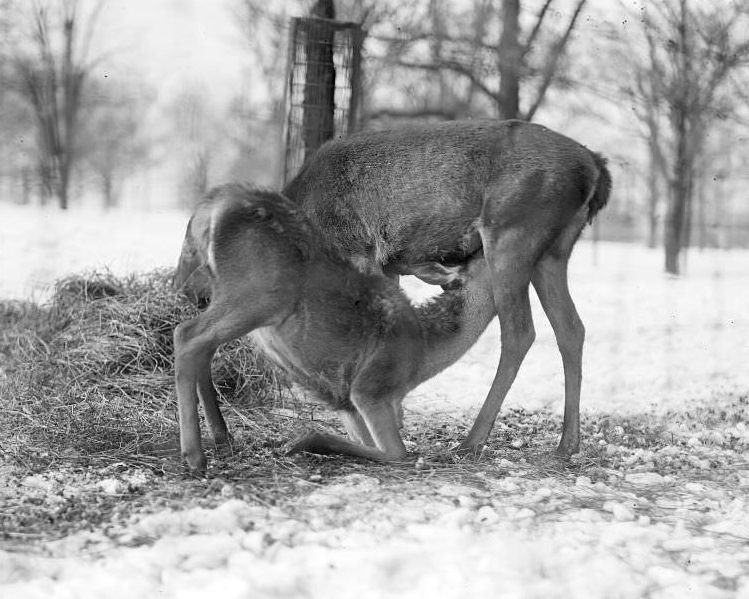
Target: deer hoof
(565,450)
(196,463)
(466,449)
(223,439)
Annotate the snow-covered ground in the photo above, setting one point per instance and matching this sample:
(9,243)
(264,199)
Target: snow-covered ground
(38,246)
(353,537)
(653,345)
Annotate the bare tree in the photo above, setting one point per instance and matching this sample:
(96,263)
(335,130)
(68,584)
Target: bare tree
(197,131)
(683,84)
(264,29)
(444,57)
(469,50)
(13,119)
(257,125)
(642,87)
(51,77)
(5,34)
(113,139)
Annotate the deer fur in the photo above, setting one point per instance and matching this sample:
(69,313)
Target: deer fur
(390,201)
(435,193)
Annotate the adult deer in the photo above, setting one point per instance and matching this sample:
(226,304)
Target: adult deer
(352,339)
(393,200)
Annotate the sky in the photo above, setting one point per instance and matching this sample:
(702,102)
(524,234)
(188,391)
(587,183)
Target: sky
(173,43)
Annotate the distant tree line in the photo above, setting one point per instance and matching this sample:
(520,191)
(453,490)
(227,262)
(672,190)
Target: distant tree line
(678,67)
(675,71)
(64,117)
(689,79)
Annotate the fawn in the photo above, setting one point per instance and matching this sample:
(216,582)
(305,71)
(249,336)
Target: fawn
(353,339)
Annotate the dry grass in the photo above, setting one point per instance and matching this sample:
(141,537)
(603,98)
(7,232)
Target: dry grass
(91,373)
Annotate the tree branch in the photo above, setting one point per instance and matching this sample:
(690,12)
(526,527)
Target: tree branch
(553,61)
(455,67)
(536,28)
(414,113)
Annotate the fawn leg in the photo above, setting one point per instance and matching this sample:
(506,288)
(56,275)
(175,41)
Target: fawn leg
(195,342)
(329,444)
(356,427)
(381,418)
(190,357)
(381,422)
(209,399)
(550,282)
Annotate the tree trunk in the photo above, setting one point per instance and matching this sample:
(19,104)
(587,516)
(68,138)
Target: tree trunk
(45,179)
(510,57)
(62,181)
(672,241)
(677,210)
(438,35)
(683,166)
(318,124)
(686,235)
(701,213)
(25,186)
(107,189)
(652,204)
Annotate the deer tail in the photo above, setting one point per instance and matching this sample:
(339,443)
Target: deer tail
(602,190)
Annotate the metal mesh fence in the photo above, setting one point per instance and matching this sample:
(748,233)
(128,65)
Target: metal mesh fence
(322,88)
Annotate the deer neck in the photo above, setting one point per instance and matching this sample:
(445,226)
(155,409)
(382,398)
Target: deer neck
(452,322)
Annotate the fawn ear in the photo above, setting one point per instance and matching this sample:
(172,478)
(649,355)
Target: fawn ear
(435,273)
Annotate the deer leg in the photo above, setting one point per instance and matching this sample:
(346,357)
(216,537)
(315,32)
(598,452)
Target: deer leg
(195,342)
(381,422)
(510,285)
(550,281)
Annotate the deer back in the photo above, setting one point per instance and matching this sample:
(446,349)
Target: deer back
(418,194)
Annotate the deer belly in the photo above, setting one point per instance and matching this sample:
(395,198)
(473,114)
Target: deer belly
(434,244)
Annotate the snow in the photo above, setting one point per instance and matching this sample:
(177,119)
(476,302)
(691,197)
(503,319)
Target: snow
(653,344)
(38,246)
(424,547)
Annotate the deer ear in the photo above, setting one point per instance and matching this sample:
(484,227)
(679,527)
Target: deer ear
(434,273)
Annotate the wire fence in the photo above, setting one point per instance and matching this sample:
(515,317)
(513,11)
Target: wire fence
(322,93)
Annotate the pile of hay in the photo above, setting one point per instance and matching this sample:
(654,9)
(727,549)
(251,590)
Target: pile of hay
(91,372)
